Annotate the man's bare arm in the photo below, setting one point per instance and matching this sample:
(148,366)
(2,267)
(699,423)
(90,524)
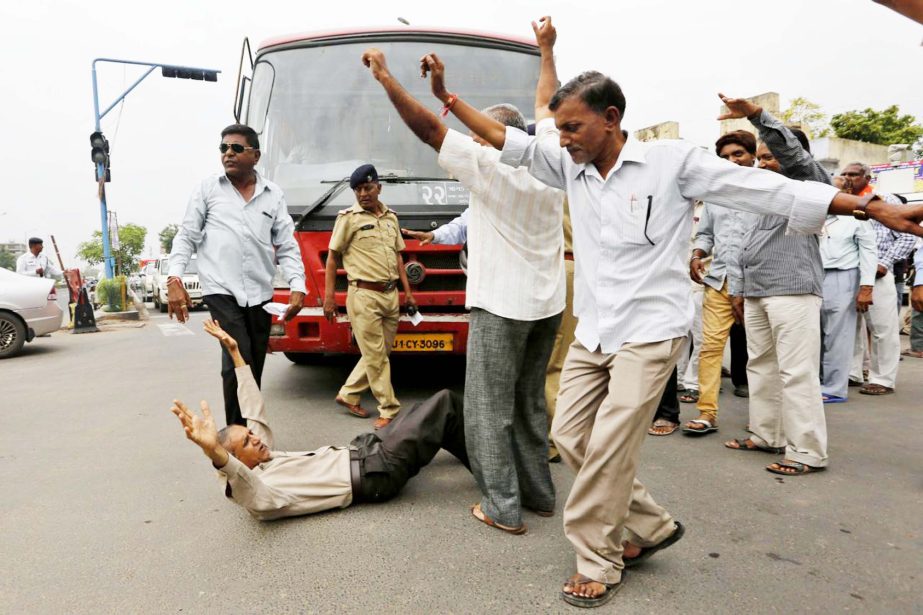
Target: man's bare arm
(904,219)
(418,118)
(330,276)
(486,127)
(213,328)
(545,36)
(908,8)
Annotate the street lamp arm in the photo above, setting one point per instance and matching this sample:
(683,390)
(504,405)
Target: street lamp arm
(125,93)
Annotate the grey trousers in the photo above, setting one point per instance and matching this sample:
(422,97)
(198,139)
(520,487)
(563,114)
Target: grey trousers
(916,330)
(838,326)
(506,425)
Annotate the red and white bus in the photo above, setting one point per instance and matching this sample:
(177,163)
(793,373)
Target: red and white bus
(320,114)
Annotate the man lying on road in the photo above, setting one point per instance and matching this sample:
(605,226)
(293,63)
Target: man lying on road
(272,484)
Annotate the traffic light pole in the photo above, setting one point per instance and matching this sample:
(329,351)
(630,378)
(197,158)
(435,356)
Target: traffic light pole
(168,70)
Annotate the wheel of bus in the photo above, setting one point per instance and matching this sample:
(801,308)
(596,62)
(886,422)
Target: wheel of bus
(12,335)
(304,358)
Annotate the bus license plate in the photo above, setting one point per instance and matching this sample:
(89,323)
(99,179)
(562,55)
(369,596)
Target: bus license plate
(424,342)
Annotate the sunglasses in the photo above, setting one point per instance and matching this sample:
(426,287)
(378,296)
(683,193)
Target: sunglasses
(237,148)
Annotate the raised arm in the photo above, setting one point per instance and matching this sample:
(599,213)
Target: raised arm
(418,118)
(202,431)
(796,161)
(480,124)
(806,204)
(545,36)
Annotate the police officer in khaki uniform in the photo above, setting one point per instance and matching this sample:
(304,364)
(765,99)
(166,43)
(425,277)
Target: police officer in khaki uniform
(367,238)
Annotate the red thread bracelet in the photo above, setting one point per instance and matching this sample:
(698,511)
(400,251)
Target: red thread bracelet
(448,106)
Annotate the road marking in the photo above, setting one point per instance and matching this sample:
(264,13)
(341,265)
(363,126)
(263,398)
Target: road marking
(174,329)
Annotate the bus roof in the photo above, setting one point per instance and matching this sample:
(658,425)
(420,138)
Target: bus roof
(359,33)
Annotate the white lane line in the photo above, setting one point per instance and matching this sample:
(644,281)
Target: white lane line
(174,329)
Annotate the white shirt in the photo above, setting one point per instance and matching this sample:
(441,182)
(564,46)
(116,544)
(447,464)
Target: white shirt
(238,241)
(515,233)
(918,264)
(453,233)
(631,229)
(847,243)
(28,263)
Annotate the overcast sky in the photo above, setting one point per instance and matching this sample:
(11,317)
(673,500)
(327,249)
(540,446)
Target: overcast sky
(671,57)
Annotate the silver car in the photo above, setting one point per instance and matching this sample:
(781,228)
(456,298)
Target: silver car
(28,308)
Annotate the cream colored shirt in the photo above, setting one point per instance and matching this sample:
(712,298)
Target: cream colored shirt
(368,243)
(291,483)
(515,237)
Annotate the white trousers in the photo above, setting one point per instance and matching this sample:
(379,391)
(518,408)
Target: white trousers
(783,341)
(687,368)
(884,327)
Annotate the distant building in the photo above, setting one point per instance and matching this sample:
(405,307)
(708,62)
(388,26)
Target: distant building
(14,248)
(663,130)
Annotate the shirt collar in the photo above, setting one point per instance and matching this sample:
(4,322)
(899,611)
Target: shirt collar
(261,183)
(632,151)
(357,209)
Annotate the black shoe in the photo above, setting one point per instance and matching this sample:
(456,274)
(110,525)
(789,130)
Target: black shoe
(555,459)
(742,391)
(855,383)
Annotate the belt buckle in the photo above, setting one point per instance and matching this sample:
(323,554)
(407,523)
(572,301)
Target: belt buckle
(390,285)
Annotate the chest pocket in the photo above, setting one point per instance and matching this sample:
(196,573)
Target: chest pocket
(366,232)
(635,222)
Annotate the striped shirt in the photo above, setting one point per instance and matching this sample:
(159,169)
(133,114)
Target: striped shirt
(632,228)
(514,232)
(721,232)
(774,262)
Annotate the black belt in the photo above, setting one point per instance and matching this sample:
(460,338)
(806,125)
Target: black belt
(355,475)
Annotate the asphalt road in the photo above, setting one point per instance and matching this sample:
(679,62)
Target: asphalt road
(106,508)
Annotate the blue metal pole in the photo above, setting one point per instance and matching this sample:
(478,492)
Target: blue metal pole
(100,174)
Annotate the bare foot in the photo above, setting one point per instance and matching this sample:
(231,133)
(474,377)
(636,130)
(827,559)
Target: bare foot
(584,587)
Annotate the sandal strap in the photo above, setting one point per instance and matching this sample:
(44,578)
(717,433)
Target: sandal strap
(705,422)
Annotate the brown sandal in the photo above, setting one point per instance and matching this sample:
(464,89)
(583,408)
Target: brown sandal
(662,423)
(478,514)
(876,389)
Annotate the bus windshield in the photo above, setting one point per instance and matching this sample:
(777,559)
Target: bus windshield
(320,114)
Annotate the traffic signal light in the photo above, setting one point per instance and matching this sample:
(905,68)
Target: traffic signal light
(181,72)
(99,152)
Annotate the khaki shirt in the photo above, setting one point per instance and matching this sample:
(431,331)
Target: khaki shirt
(369,244)
(291,483)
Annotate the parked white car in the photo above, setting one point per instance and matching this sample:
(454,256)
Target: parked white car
(28,308)
(147,280)
(190,281)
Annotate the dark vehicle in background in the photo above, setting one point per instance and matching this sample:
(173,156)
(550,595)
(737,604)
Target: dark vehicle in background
(320,114)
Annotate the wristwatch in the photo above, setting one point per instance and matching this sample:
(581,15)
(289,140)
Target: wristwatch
(860,213)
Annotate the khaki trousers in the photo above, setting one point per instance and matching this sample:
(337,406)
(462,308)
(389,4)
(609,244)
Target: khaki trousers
(606,404)
(373,316)
(562,341)
(717,320)
(783,341)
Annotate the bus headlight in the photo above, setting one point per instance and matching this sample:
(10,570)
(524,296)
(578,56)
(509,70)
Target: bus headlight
(277,330)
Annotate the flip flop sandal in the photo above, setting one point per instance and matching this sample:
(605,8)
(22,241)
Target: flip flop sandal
(917,354)
(662,423)
(476,508)
(646,552)
(601,599)
(800,468)
(742,446)
(833,399)
(689,397)
(707,427)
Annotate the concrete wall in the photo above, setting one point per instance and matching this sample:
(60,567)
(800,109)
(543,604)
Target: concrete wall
(835,153)
(663,130)
(768,101)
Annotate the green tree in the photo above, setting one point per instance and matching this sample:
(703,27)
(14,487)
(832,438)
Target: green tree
(7,260)
(166,237)
(809,116)
(884,127)
(131,244)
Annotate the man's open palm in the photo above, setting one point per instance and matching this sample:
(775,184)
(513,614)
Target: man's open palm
(199,429)
(738,108)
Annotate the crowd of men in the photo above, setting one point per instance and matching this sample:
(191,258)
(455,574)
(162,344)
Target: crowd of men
(800,279)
